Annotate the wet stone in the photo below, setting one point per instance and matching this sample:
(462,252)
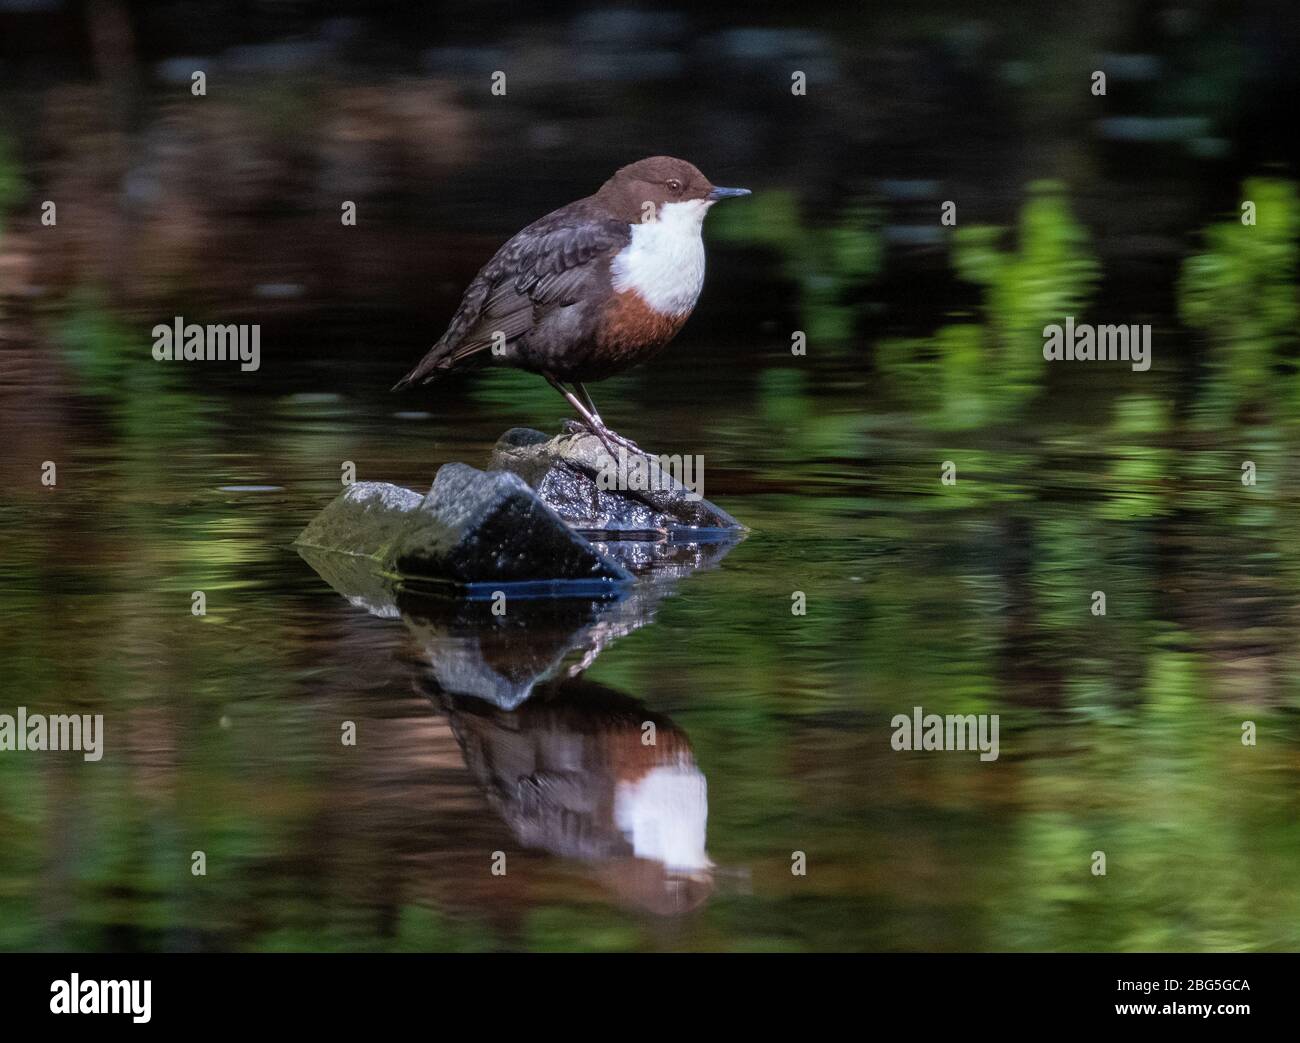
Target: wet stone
(539,524)
(565,469)
(490,527)
(475,530)
(366,520)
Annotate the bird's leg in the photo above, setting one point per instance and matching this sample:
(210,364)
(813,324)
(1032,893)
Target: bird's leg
(586,397)
(626,443)
(590,420)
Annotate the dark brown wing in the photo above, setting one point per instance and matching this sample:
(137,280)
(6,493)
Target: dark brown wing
(545,266)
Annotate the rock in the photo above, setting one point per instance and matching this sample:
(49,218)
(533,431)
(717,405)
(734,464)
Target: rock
(564,470)
(366,520)
(475,530)
(540,524)
(478,527)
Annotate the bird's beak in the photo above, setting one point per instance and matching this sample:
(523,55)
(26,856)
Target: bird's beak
(726,193)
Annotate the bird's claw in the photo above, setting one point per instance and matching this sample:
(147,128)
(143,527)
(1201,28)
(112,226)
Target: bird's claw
(608,438)
(625,443)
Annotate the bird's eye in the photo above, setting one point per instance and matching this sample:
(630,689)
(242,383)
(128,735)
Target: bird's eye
(674,186)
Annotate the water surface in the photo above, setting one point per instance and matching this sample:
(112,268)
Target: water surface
(1118,733)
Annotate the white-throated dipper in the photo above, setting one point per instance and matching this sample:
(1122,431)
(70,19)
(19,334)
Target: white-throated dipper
(590,289)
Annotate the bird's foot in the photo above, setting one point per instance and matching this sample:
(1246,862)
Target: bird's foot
(625,443)
(610,439)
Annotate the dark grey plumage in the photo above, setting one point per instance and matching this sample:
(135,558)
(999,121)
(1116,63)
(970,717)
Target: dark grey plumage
(557,263)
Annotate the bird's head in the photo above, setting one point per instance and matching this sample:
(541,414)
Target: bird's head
(662,187)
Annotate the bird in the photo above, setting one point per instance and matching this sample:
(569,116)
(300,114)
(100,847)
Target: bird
(589,290)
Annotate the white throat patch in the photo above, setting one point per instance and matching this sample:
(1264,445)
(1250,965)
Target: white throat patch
(664,262)
(664,815)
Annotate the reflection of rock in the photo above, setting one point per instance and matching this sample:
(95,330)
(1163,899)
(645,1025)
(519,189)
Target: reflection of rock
(675,557)
(563,470)
(472,651)
(500,659)
(358,579)
(574,772)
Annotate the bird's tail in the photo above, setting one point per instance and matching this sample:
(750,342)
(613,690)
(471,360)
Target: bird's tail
(441,357)
(425,370)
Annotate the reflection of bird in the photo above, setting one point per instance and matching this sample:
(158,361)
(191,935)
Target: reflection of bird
(585,772)
(590,289)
